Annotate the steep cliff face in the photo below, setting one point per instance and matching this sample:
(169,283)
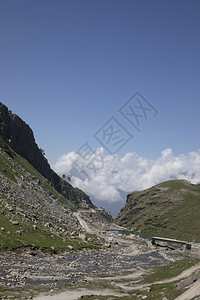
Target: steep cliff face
(19,136)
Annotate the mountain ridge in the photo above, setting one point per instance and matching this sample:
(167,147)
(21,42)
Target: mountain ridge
(19,136)
(170,209)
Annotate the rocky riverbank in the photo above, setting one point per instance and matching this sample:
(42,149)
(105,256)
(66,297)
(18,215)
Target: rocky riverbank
(22,274)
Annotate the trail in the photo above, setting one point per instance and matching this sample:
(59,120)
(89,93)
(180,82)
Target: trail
(192,292)
(182,275)
(195,289)
(82,222)
(74,295)
(129,277)
(106,236)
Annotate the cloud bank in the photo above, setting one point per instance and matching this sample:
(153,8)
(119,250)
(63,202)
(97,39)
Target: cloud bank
(101,176)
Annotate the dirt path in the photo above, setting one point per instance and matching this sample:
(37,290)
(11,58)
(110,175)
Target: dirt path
(74,295)
(82,222)
(182,275)
(131,276)
(106,236)
(192,292)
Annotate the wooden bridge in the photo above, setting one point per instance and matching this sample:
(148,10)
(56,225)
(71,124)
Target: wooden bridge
(171,241)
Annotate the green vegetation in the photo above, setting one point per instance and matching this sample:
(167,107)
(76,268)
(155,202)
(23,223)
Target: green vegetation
(24,235)
(167,289)
(170,209)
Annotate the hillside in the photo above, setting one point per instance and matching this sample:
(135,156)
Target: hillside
(170,209)
(36,205)
(19,136)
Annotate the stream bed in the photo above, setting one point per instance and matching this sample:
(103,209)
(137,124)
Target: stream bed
(20,270)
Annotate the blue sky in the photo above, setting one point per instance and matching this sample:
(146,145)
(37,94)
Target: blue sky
(67,66)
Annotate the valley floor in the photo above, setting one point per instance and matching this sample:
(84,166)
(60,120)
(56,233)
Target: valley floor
(29,270)
(121,268)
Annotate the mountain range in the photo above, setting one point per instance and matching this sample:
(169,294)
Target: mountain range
(38,207)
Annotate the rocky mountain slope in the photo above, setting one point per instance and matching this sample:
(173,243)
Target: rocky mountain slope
(37,207)
(19,136)
(170,209)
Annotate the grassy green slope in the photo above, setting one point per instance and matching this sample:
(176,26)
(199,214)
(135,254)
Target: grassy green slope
(41,238)
(170,209)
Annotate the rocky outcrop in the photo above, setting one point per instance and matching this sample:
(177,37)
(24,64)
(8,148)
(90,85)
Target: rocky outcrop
(19,136)
(31,201)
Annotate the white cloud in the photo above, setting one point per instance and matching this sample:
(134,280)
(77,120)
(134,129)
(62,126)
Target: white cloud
(104,175)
